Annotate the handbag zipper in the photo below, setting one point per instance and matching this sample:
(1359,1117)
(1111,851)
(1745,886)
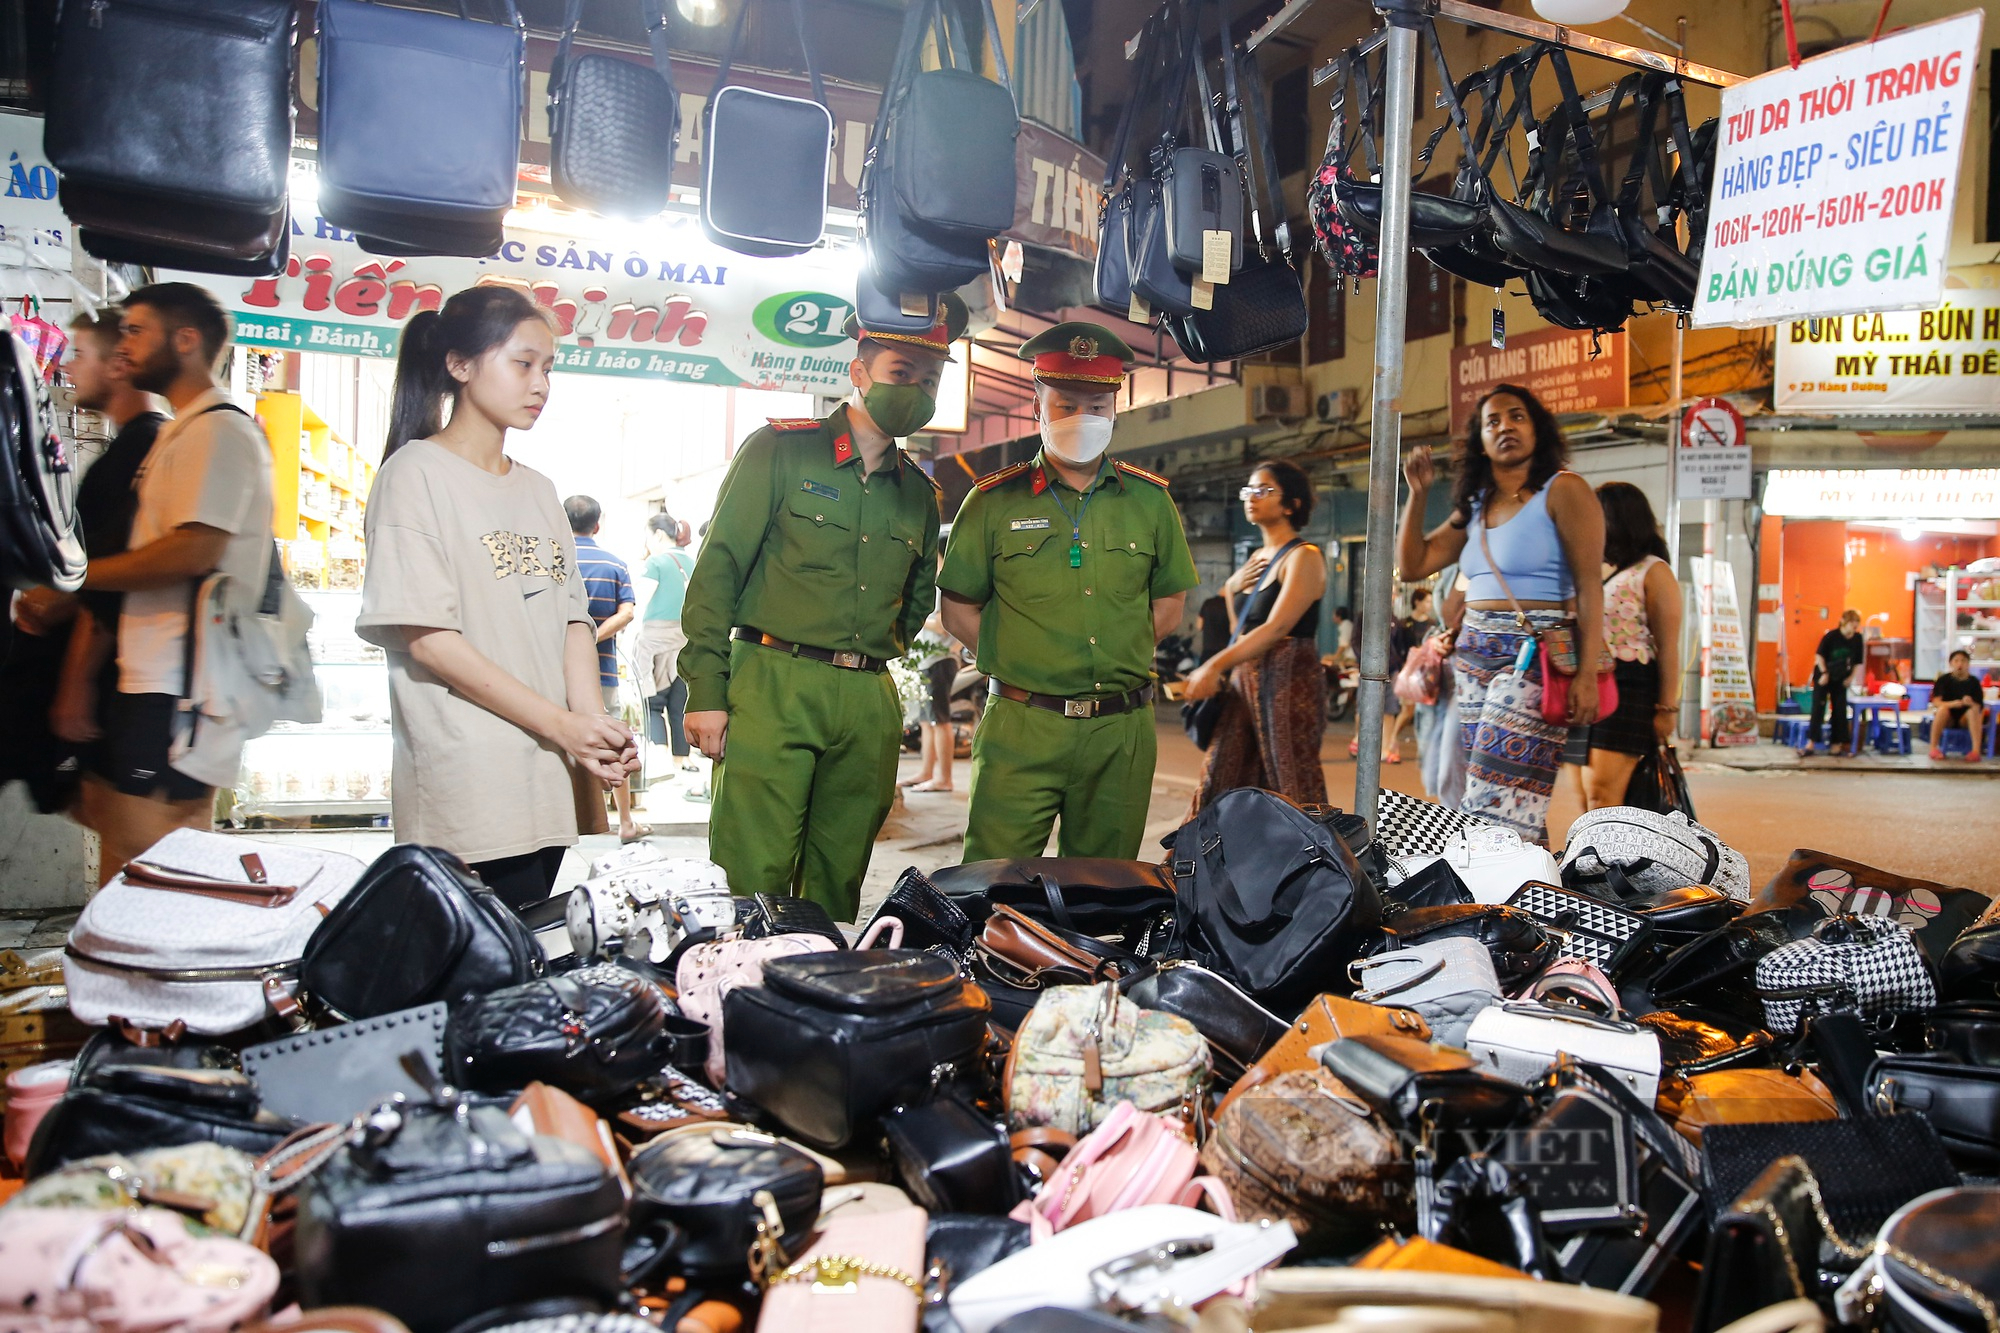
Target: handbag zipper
(549,1240)
(257,973)
(207,22)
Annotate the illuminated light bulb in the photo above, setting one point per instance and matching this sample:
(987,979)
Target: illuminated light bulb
(708,13)
(1570,12)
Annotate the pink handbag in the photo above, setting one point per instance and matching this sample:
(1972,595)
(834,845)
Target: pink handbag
(863,1273)
(708,972)
(1133,1158)
(30,1094)
(77,1270)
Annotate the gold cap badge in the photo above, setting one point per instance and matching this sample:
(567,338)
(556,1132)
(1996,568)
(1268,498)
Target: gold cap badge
(1082,347)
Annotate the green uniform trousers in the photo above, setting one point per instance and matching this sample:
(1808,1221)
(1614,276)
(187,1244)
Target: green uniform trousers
(1030,766)
(806,779)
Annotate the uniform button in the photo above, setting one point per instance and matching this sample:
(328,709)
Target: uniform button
(1097,685)
(1132,545)
(1086,592)
(864,587)
(819,518)
(864,536)
(1086,546)
(1093,639)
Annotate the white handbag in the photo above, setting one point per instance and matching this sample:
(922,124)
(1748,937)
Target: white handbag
(1520,1039)
(1493,862)
(206,928)
(1624,851)
(645,906)
(1126,1259)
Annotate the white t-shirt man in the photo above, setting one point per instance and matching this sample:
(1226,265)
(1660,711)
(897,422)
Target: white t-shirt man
(211,467)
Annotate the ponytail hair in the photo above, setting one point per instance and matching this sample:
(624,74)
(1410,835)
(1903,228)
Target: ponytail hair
(472,323)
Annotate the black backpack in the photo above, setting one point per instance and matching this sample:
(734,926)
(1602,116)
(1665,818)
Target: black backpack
(1271,897)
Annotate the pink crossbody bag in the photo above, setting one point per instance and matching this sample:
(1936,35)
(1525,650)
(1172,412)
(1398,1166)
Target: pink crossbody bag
(1133,1158)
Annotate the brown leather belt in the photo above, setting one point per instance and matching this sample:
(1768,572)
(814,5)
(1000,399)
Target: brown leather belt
(1117,703)
(844,660)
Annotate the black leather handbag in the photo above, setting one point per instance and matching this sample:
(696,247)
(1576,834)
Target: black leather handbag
(1270,897)
(418,927)
(613,124)
(1474,256)
(1536,237)
(951,1159)
(451,1186)
(1201,189)
(1970,968)
(764,159)
(268,250)
(1961,1101)
(832,1040)
(932,921)
(695,1189)
(951,130)
(1967,1031)
(419,126)
(207,183)
(1124,902)
(122,1108)
(1238,1029)
(1434,219)
(782,914)
(41,541)
(596,1033)
(1412,1084)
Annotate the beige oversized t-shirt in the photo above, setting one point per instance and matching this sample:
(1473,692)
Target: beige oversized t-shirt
(451,546)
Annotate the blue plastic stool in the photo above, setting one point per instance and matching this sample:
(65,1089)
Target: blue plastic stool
(1888,738)
(1954,742)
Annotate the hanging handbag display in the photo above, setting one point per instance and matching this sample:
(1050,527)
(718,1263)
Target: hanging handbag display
(1166,288)
(832,1040)
(1435,220)
(951,130)
(1347,252)
(1084,1049)
(764,159)
(208,184)
(613,124)
(205,929)
(596,1033)
(417,927)
(1200,717)
(1270,897)
(384,71)
(41,541)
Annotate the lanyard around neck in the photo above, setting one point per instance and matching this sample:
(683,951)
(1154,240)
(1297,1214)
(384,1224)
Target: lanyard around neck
(1075,521)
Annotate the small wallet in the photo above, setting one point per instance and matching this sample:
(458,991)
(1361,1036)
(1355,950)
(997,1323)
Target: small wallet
(332,1075)
(780,914)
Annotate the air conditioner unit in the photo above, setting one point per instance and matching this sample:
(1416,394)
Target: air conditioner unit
(1340,405)
(1271,402)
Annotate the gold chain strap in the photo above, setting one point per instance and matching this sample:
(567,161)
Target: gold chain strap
(841,1272)
(1957,1286)
(1764,1208)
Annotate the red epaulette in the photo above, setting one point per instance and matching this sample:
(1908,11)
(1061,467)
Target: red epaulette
(992,479)
(792,423)
(1134,470)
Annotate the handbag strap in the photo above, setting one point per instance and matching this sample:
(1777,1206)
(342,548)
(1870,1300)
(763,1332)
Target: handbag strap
(1152,59)
(736,36)
(1579,127)
(1203,109)
(656,36)
(1520,615)
(1259,129)
(1264,579)
(1427,968)
(1370,102)
(1176,92)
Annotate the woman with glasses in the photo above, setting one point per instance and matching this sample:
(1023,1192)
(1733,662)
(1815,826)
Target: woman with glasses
(1274,712)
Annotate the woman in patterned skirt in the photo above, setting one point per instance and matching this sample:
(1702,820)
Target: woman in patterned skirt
(1530,538)
(1274,713)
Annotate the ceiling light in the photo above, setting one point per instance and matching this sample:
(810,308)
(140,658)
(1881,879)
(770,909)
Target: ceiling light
(701,13)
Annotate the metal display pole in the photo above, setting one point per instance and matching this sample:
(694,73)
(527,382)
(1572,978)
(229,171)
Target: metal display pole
(1392,295)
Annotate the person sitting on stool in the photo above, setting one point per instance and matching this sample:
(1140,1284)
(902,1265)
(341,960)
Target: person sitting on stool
(1958,700)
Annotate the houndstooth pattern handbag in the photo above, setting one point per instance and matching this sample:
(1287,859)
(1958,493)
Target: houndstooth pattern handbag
(1622,851)
(1868,964)
(1409,826)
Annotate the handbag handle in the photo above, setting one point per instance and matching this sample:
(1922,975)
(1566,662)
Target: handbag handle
(656,36)
(1267,154)
(1374,996)
(1574,981)
(882,925)
(1152,59)
(736,35)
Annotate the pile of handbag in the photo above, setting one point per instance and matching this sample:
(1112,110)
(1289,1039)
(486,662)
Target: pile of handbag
(1174,244)
(1588,240)
(1299,1065)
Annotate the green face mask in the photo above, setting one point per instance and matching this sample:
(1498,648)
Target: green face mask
(899,409)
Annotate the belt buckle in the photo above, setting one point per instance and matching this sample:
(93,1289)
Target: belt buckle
(852,661)
(1079,708)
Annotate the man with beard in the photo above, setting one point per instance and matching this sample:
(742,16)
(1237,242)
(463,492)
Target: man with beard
(204,506)
(50,687)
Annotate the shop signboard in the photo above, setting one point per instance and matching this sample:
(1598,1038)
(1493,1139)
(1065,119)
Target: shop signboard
(1834,182)
(1561,367)
(1713,459)
(679,309)
(1910,494)
(28,210)
(1728,704)
(1942,360)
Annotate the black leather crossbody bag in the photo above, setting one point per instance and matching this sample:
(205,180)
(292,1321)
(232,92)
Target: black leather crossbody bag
(613,124)
(763,159)
(1434,219)
(596,1033)
(1201,189)
(1112,274)
(1156,279)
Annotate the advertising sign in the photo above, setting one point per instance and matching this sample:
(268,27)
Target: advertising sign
(1942,360)
(680,309)
(29,213)
(1714,453)
(1728,704)
(1883,493)
(1556,365)
(1834,181)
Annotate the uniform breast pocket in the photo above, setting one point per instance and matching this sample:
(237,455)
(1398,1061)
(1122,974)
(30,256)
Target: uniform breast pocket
(1128,559)
(820,535)
(1030,566)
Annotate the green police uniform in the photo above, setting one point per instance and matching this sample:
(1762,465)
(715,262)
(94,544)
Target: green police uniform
(805,551)
(1066,582)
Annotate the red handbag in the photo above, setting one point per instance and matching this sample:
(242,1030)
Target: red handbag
(1555,680)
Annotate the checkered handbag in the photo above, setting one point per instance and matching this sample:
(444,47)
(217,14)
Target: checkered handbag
(1593,929)
(1408,826)
(1868,964)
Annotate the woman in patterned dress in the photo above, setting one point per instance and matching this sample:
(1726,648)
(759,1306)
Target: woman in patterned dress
(1529,536)
(1274,713)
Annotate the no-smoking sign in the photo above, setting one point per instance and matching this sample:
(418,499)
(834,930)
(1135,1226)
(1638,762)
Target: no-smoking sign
(1714,455)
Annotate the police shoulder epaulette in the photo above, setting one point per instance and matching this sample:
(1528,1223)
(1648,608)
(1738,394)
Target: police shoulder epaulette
(918,468)
(1134,470)
(992,479)
(792,423)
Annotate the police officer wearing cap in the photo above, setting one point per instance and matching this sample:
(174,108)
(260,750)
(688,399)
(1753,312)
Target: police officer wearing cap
(819,567)
(1066,571)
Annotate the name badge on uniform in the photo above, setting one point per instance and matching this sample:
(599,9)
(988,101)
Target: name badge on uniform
(824,492)
(1027,524)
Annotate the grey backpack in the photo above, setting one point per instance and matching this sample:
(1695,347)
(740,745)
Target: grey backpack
(1624,852)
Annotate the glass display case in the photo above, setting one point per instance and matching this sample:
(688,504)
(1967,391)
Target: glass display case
(340,765)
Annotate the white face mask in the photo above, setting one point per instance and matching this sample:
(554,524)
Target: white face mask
(1079,440)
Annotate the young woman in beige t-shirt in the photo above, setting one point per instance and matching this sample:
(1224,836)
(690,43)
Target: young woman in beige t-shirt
(473,591)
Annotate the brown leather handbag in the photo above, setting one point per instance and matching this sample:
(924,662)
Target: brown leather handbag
(1023,952)
(1328,1018)
(1744,1096)
(1304,1149)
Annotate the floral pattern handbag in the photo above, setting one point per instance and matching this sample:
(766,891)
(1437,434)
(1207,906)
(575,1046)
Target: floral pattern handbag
(1084,1049)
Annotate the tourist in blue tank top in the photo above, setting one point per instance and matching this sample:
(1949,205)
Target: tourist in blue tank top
(1534,555)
